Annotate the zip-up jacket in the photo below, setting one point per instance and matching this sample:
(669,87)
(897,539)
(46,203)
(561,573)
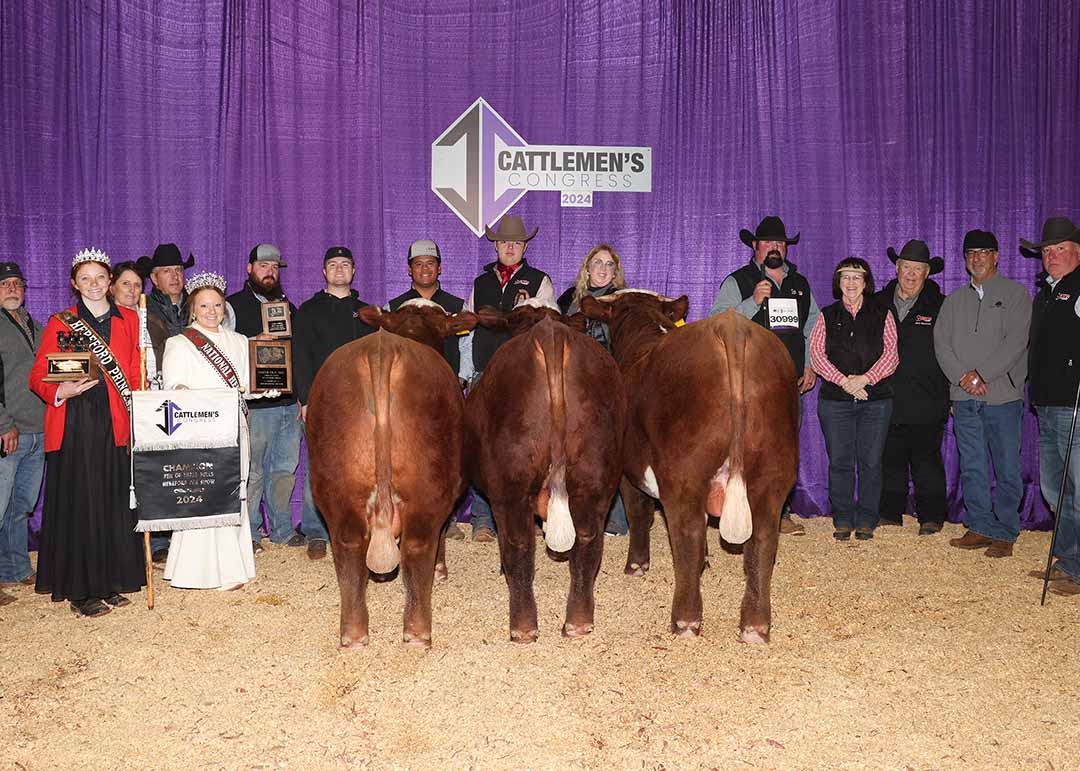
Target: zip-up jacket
(19,406)
(1054,363)
(323,324)
(989,335)
(920,390)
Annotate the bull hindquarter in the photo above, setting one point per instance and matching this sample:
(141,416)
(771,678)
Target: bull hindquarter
(420,467)
(526,454)
(679,448)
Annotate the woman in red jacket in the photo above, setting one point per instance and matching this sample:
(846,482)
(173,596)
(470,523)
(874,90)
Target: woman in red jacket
(89,552)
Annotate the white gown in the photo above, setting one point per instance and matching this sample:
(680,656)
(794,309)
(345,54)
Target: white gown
(211,557)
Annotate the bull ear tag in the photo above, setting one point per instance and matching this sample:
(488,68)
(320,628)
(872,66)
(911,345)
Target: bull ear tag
(680,323)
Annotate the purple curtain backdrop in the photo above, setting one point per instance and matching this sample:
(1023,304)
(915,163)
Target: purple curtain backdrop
(221,124)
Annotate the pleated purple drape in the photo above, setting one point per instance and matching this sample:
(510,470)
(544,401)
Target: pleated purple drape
(308,123)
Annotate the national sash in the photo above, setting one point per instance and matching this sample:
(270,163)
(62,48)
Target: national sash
(186,458)
(217,360)
(102,352)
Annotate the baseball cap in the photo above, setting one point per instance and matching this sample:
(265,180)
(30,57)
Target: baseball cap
(266,253)
(425,247)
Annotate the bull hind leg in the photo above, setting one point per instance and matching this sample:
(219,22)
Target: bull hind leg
(441,573)
(686,530)
(517,555)
(759,556)
(350,564)
(585,559)
(640,510)
(419,547)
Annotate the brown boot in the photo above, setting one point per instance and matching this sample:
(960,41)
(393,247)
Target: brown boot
(789,526)
(999,549)
(970,540)
(1065,587)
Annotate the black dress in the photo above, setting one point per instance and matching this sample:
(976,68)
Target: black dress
(88,546)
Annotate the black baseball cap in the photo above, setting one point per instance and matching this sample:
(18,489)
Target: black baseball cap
(11,270)
(337,251)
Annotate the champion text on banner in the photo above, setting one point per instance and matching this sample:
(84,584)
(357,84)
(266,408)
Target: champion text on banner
(186,458)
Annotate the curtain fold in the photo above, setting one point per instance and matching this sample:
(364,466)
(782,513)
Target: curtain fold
(218,125)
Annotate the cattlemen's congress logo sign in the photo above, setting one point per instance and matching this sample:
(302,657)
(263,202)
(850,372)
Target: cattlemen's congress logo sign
(480,167)
(173,416)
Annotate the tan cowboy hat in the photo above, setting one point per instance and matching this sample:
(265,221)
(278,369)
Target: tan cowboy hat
(511,228)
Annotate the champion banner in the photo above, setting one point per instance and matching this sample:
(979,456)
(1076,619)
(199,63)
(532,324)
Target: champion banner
(186,458)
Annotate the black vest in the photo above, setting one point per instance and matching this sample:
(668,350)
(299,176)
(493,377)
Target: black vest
(794,286)
(451,304)
(1054,344)
(920,389)
(853,345)
(488,290)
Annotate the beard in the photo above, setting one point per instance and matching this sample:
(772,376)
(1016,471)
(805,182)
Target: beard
(773,260)
(269,287)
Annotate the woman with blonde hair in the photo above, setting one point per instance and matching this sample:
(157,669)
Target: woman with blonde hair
(601,273)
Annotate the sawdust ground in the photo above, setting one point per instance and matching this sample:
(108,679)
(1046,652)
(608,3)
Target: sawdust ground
(896,653)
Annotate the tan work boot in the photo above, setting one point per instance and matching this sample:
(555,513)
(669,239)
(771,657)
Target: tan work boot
(789,526)
(970,540)
(999,549)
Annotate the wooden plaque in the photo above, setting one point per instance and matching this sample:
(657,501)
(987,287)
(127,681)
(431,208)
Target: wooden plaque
(271,366)
(70,365)
(276,319)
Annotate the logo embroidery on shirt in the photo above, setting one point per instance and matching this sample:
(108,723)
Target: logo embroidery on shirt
(1062,296)
(924,320)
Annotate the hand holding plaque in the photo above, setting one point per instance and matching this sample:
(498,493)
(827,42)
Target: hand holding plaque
(276,319)
(72,360)
(271,366)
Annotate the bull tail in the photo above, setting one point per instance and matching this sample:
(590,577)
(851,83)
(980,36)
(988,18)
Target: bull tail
(382,553)
(736,522)
(559,531)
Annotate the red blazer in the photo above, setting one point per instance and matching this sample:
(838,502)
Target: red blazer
(124,342)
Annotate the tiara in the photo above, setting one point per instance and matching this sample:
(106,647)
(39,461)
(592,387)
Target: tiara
(91,255)
(202,280)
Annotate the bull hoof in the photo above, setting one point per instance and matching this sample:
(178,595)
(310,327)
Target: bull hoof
(422,641)
(349,642)
(686,628)
(441,573)
(523,638)
(634,569)
(576,630)
(753,635)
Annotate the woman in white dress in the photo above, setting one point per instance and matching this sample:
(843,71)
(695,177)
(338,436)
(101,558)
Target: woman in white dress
(212,557)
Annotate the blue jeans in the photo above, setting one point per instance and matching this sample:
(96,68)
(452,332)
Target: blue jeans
(311,521)
(20,485)
(855,438)
(979,427)
(275,453)
(1053,440)
(616,518)
(481,512)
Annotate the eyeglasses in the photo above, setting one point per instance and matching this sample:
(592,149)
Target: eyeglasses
(12,283)
(602,264)
(978,252)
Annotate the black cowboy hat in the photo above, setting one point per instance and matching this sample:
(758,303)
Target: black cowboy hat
(917,251)
(164,255)
(769,229)
(1055,230)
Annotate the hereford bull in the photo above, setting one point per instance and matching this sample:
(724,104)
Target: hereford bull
(712,427)
(543,427)
(384,432)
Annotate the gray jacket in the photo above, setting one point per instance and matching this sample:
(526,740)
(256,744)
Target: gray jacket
(21,407)
(989,335)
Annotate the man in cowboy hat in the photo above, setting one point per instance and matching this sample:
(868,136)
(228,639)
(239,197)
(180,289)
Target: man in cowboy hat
(920,392)
(502,284)
(771,292)
(1054,368)
(165,316)
(980,341)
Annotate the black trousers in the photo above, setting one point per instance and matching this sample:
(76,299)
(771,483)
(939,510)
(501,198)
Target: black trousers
(917,446)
